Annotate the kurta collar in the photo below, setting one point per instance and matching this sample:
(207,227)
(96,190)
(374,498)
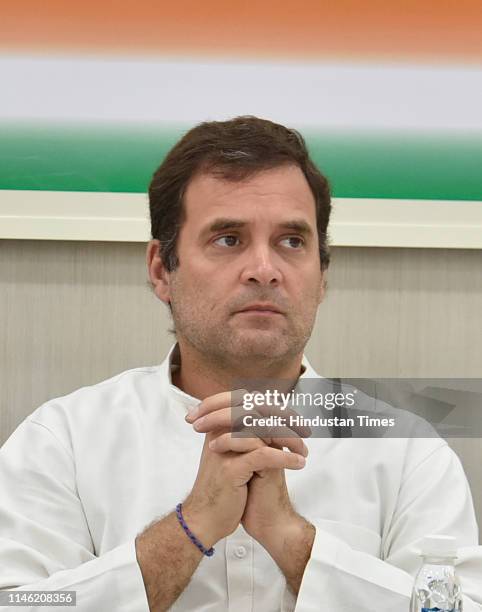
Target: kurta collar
(173,361)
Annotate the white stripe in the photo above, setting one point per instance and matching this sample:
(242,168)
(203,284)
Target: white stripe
(328,95)
(123,217)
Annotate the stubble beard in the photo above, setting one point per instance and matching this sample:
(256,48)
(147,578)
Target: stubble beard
(229,346)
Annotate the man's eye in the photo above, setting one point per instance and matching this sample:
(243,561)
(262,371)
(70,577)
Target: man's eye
(229,238)
(298,242)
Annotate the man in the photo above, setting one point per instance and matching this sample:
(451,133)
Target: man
(120,491)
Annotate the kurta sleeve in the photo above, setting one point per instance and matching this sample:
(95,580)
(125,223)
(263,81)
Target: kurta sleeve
(434,498)
(45,543)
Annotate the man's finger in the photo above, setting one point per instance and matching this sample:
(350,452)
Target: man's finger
(288,414)
(220,402)
(281,435)
(222,418)
(216,402)
(227,442)
(219,419)
(293,443)
(269,458)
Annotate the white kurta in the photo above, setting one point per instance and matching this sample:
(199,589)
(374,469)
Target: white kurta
(85,473)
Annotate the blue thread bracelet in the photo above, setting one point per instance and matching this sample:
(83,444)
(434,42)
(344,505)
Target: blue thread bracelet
(205,551)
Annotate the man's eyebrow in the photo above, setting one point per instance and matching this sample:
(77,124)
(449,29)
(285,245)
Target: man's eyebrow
(298,225)
(224,223)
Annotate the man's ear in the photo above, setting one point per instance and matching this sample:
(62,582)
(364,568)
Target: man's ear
(158,275)
(323,285)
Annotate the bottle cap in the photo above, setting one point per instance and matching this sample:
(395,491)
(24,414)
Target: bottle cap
(439,546)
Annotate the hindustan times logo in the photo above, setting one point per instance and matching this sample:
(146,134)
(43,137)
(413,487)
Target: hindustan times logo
(275,398)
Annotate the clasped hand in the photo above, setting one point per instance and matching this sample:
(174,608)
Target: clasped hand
(242,479)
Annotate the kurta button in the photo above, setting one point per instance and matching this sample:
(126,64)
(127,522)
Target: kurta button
(240,552)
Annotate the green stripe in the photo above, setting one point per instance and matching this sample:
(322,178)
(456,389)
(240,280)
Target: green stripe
(122,158)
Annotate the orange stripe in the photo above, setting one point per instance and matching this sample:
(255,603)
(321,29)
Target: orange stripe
(380,29)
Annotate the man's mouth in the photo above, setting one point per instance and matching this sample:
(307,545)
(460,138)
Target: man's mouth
(259,312)
(261,309)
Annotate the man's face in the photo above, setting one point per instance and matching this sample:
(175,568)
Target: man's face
(241,244)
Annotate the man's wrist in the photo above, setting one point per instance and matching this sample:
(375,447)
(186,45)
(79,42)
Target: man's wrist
(285,534)
(290,547)
(200,524)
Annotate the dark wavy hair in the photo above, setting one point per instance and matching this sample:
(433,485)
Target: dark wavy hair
(232,150)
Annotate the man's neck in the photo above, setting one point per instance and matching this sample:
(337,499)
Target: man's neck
(201,378)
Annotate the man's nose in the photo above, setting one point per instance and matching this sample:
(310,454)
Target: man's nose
(261,266)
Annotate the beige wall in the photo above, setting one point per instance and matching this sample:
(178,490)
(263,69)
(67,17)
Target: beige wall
(74,313)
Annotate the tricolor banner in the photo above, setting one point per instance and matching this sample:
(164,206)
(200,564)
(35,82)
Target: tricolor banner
(387,95)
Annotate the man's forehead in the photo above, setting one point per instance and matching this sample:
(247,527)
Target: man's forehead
(284,186)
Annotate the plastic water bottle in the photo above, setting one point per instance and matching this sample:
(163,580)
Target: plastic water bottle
(436,587)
